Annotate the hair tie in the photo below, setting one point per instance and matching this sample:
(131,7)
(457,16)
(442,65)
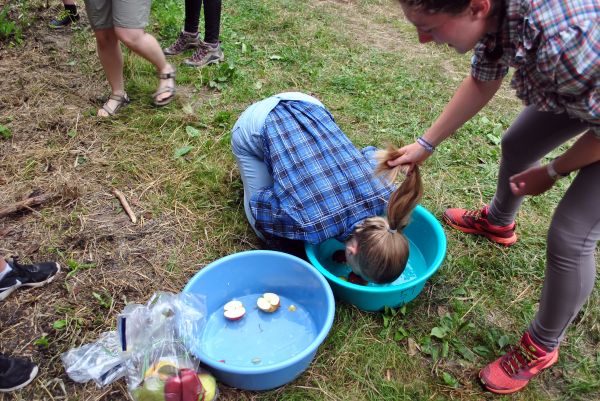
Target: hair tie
(392,230)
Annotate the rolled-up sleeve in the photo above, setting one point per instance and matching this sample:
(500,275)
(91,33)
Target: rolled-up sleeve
(573,60)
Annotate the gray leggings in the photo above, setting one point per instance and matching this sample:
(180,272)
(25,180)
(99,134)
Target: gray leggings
(575,227)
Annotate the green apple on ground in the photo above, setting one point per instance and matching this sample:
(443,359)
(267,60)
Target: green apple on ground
(209,383)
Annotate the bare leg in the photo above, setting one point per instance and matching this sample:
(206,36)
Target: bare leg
(146,46)
(111,59)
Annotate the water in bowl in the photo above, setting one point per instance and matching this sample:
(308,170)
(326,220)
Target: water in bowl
(259,338)
(415,267)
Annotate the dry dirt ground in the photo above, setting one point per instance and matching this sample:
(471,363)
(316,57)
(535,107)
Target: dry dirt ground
(55,151)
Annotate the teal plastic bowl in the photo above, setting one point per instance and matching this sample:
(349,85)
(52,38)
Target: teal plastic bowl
(427,242)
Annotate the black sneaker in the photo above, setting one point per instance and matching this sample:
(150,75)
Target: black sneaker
(16,373)
(64,19)
(35,275)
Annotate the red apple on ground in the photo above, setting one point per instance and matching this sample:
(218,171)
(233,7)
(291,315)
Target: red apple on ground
(191,386)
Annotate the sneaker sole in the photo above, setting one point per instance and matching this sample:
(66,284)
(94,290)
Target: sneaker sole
(48,280)
(215,61)
(175,54)
(514,390)
(498,240)
(9,291)
(32,376)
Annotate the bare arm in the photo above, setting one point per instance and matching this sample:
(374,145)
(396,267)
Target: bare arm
(470,97)
(536,180)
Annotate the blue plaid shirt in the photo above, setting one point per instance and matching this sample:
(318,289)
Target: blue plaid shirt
(323,186)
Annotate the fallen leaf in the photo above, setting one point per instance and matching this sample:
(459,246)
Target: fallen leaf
(413,347)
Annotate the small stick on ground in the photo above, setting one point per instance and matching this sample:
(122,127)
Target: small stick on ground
(25,204)
(125,205)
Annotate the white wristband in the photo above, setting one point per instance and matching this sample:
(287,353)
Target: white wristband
(552,171)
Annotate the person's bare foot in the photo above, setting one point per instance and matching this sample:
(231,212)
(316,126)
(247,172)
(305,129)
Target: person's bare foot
(166,86)
(113,104)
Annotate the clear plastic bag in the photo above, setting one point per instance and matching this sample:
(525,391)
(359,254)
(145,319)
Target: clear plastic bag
(149,350)
(153,336)
(101,361)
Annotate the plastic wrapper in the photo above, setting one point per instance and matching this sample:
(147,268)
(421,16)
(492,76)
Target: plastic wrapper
(148,349)
(101,361)
(153,338)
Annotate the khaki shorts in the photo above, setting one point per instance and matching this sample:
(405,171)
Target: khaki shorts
(104,14)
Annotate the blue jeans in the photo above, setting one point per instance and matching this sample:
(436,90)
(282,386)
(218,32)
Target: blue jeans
(248,150)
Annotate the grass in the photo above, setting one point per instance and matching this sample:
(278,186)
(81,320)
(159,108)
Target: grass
(175,165)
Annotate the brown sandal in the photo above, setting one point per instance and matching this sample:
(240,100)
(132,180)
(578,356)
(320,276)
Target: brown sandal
(122,100)
(166,89)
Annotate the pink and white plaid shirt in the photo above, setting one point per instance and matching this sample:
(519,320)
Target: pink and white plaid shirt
(554,46)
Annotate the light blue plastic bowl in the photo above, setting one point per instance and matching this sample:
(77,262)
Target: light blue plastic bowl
(426,254)
(261,351)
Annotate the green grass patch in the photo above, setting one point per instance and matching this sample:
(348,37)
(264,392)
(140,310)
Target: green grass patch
(364,63)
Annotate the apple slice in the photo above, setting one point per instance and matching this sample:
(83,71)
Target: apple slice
(234,310)
(269,302)
(356,279)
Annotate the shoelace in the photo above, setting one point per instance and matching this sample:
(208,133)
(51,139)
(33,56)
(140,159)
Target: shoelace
(199,54)
(180,43)
(473,213)
(19,268)
(15,264)
(517,359)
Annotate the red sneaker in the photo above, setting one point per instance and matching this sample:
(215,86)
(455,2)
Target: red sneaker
(476,222)
(512,372)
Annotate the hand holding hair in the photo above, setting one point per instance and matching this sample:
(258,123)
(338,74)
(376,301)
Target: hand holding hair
(382,248)
(410,156)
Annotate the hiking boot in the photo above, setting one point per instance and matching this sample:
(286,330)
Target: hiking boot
(512,372)
(184,41)
(16,373)
(476,222)
(35,275)
(64,19)
(206,54)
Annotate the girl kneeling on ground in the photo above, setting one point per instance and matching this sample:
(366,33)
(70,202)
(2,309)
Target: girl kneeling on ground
(305,181)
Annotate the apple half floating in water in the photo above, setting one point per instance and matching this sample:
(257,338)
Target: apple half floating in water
(269,302)
(234,310)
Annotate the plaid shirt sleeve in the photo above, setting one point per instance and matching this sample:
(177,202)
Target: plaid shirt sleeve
(576,71)
(484,69)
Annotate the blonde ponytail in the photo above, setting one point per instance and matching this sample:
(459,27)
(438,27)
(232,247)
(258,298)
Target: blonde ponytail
(382,248)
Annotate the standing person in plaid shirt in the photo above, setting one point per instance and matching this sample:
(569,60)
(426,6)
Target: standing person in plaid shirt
(305,181)
(554,47)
